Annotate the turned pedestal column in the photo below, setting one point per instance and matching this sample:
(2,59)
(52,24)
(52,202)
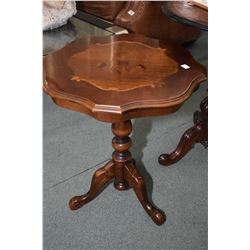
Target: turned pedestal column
(122,169)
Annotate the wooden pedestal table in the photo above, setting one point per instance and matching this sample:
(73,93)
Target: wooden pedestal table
(187,12)
(115,79)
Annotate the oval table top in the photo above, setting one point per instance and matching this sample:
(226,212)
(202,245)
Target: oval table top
(116,78)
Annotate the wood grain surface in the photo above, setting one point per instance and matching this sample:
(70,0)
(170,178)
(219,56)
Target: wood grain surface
(118,78)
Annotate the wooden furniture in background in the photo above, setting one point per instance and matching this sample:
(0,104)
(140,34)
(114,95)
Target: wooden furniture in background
(186,12)
(115,79)
(193,15)
(139,17)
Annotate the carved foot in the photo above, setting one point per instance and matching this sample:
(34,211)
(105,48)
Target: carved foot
(136,181)
(101,177)
(198,133)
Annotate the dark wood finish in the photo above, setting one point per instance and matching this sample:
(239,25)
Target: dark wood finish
(187,13)
(195,16)
(121,77)
(105,9)
(124,172)
(101,177)
(139,17)
(115,79)
(197,133)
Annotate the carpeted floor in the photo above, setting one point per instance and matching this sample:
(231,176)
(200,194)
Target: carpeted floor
(75,145)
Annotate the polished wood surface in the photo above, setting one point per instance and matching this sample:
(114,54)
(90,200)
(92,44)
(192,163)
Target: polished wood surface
(187,13)
(118,78)
(129,70)
(115,79)
(196,134)
(123,170)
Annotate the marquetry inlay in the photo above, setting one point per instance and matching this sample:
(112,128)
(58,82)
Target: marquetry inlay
(122,66)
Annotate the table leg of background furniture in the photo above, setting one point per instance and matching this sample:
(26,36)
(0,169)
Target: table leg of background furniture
(198,133)
(122,168)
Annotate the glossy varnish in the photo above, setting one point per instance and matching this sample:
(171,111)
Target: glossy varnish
(111,78)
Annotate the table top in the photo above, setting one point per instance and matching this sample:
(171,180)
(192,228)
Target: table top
(187,13)
(116,78)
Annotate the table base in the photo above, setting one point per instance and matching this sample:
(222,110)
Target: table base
(123,170)
(197,133)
